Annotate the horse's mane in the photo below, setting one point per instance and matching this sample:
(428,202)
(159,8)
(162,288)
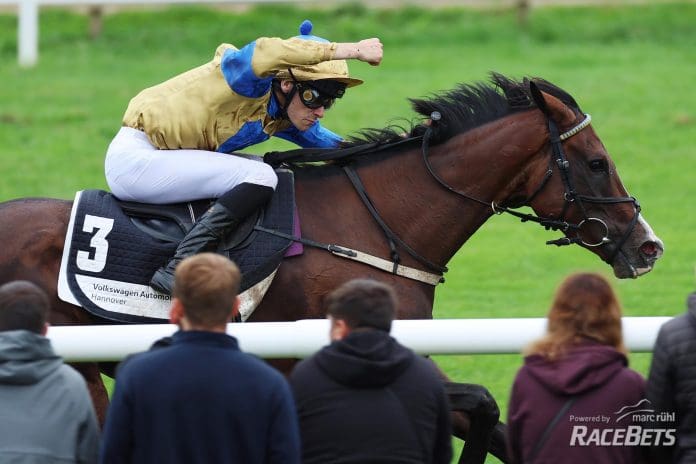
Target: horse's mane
(465,107)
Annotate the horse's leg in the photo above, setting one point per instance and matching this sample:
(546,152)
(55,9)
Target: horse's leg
(67,314)
(32,250)
(499,440)
(95,385)
(475,416)
(485,433)
(285,366)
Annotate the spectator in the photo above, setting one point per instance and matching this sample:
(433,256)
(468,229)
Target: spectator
(671,386)
(46,414)
(574,380)
(365,398)
(201,399)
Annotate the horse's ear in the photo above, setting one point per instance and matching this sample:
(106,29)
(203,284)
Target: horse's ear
(538,98)
(551,106)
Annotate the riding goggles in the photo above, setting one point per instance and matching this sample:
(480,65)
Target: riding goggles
(312,98)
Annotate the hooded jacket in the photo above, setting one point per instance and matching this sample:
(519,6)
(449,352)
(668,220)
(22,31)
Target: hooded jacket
(368,399)
(598,379)
(672,382)
(46,414)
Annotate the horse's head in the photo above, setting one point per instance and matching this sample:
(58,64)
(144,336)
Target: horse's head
(519,143)
(580,193)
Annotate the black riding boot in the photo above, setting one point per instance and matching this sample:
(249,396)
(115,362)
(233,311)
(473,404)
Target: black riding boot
(220,219)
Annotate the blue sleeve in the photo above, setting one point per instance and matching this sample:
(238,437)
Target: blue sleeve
(316,136)
(117,442)
(236,68)
(249,134)
(284,442)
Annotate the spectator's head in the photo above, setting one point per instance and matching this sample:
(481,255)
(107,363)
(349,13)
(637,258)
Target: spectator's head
(23,306)
(205,292)
(585,308)
(360,304)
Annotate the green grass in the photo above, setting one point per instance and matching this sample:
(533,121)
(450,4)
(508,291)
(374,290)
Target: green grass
(632,68)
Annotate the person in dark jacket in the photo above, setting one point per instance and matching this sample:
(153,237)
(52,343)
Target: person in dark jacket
(569,400)
(365,398)
(671,386)
(201,400)
(46,414)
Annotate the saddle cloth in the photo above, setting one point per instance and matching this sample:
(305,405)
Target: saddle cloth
(112,248)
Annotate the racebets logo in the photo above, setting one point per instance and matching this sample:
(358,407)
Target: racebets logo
(635,425)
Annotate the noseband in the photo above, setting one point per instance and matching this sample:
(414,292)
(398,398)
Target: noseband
(570,196)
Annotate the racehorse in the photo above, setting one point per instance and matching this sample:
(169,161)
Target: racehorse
(401,202)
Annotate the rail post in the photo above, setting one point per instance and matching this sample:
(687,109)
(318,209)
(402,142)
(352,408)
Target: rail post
(28,33)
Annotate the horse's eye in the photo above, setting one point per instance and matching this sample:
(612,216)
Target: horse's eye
(598,165)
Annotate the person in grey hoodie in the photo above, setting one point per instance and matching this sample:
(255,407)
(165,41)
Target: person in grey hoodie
(574,398)
(671,384)
(46,414)
(365,398)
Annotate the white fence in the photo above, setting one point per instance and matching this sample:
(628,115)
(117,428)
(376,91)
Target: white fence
(301,338)
(28,18)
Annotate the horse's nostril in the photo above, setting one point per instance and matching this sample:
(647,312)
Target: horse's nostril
(650,249)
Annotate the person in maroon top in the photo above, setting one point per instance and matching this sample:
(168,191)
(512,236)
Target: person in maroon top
(573,399)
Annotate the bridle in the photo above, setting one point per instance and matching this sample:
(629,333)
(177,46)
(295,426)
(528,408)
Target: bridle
(435,271)
(570,196)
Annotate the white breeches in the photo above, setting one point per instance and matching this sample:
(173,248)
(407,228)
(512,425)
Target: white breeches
(138,171)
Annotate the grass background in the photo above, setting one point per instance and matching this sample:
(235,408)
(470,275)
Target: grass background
(631,67)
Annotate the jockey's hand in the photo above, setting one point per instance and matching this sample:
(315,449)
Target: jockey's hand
(368,50)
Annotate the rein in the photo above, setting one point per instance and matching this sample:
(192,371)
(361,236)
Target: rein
(570,195)
(344,157)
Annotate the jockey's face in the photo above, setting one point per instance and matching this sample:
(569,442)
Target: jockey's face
(299,114)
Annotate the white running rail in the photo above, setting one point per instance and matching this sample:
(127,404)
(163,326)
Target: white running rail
(302,338)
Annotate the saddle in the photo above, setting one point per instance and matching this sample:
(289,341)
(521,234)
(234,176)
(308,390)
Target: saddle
(170,223)
(113,247)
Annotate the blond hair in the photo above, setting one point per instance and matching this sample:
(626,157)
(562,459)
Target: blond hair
(585,308)
(207,286)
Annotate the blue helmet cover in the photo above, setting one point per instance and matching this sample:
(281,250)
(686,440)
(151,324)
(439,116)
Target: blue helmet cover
(306,32)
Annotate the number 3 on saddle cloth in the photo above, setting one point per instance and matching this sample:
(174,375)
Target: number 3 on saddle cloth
(112,248)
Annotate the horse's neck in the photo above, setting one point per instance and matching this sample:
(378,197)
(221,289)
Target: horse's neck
(487,163)
(492,162)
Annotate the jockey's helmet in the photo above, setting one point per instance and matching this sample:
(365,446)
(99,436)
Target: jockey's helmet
(329,77)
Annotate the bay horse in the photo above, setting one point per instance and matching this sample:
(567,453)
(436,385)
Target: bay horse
(409,198)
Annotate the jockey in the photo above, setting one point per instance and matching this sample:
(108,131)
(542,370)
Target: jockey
(177,136)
